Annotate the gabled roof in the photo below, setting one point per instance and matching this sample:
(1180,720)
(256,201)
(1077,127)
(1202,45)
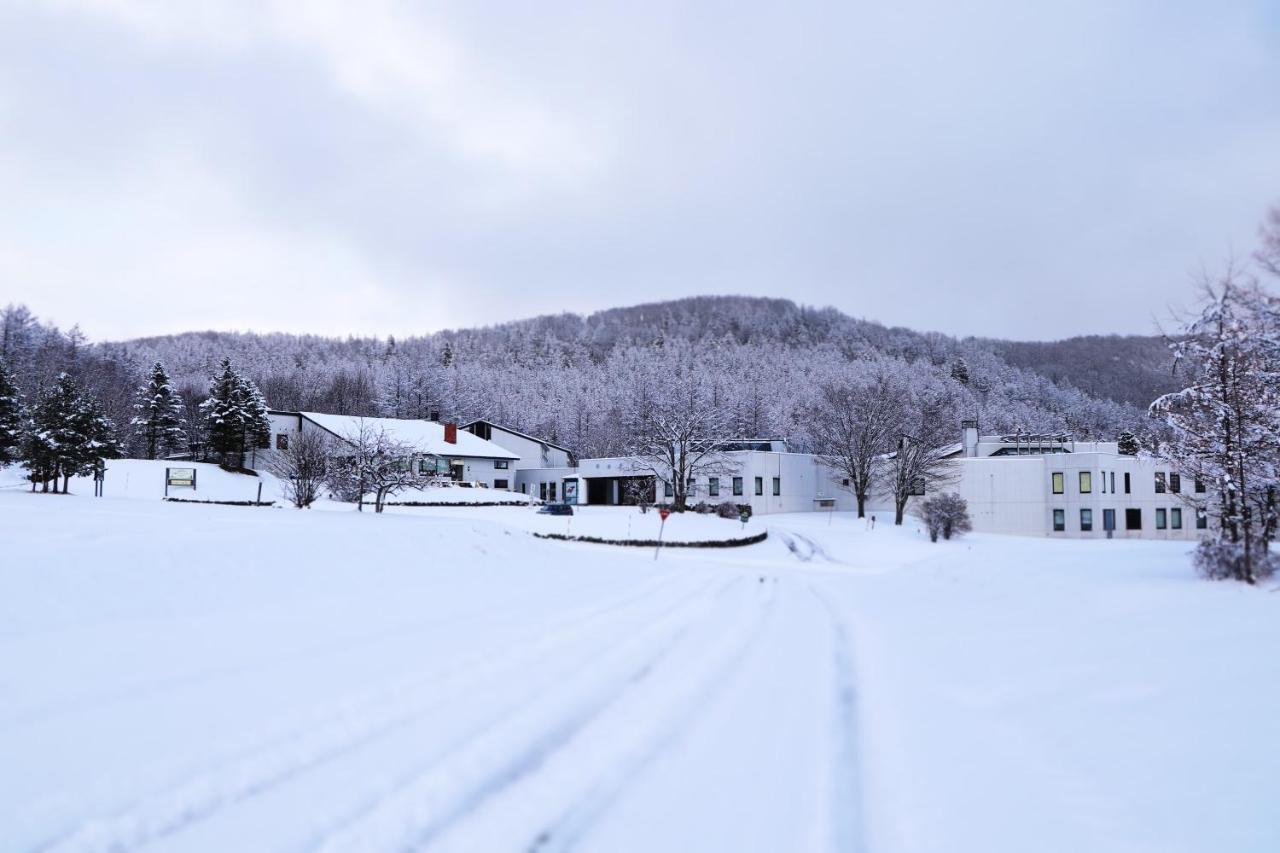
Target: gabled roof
(424,436)
(508,429)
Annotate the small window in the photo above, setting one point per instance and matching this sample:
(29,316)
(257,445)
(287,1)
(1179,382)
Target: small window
(551,492)
(542,491)
(1175,483)
(502,484)
(668,488)
(1108,519)
(1175,518)
(1059,520)
(1086,482)
(1199,486)
(1102,482)
(845,482)
(713,487)
(916,488)
(501,464)
(282,441)
(1132,518)
(737,486)
(1160,485)
(759,485)
(1058,483)
(1126,482)
(1162,518)
(777,486)
(1086,520)
(1113,482)
(1202,520)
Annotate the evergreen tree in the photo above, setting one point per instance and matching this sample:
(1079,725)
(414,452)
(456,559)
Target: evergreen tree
(960,371)
(224,415)
(12,417)
(256,425)
(54,442)
(158,424)
(1128,444)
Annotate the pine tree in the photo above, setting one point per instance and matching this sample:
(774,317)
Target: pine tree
(960,371)
(224,415)
(158,424)
(12,417)
(54,442)
(256,424)
(1127,444)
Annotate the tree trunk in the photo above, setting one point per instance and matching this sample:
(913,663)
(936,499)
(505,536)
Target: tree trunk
(862,504)
(899,510)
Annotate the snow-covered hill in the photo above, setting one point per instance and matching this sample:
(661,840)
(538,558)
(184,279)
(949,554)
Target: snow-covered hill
(209,678)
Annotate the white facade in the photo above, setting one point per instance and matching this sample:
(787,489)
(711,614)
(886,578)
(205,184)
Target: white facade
(533,452)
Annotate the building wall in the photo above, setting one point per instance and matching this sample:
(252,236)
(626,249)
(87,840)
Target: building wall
(532,453)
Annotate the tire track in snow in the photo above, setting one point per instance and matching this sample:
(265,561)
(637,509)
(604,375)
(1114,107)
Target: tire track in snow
(352,723)
(447,791)
(847,812)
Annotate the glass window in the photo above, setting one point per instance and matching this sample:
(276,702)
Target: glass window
(1102,482)
(777,486)
(1175,483)
(1132,518)
(1199,486)
(1175,518)
(1160,487)
(1086,520)
(1108,519)
(737,486)
(1126,482)
(668,488)
(1202,520)
(1113,482)
(917,487)
(551,492)
(1059,520)
(501,464)
(282,441)
(1058,486)
(501,484)
(759,485)
(542,491)
(1162,518)
(1086,482)
(713,487)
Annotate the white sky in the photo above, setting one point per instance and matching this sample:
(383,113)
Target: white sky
(998,169)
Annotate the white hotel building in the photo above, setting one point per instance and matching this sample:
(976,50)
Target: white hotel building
(1028,485)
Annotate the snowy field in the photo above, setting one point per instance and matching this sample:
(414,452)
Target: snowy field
(207,678)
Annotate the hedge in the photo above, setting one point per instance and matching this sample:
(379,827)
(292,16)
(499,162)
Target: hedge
(458,503)
(220,503)
(654,543)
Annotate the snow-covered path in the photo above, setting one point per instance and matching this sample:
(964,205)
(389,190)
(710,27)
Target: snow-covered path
(213,678)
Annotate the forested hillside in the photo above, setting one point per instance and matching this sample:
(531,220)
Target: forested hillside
(579,380)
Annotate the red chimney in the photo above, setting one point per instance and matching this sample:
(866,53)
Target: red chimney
(451,433)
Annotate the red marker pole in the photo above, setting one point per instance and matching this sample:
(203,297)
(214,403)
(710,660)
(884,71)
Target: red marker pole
(663,512)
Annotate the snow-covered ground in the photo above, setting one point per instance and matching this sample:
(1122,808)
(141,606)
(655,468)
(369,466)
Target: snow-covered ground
(218,678)
(615,523)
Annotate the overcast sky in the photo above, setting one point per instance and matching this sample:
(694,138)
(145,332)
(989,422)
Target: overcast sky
(1017,169)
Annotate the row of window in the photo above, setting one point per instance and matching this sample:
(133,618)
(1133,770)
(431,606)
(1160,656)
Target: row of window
(1171,482)
(713,487)
(1165,519)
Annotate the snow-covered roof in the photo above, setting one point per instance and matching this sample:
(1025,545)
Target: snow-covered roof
(426,436)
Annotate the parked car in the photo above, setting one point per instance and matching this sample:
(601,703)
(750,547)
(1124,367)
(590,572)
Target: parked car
(556,509)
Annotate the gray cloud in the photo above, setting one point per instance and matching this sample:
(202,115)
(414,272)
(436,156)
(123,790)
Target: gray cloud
(991,169)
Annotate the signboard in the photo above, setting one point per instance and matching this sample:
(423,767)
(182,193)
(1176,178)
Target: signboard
(571,491)
(181,477)
(663,512)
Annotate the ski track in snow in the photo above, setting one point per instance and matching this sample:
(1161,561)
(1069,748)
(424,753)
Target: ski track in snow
(448,791)
(352,723)
(846,830)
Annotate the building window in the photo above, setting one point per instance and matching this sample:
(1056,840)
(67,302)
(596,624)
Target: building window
(542,491)
(1108,519)
(1059,520)
(759,485)
(1086,520)
(1202,520)
(1199,486)
(1058,483)
(777,486)
(1175,483)
(1132,518)
(737,487)
(501,464)
(282,441)
(1175,518)
(1102,477)
(845,482)
(1162,518)
(668,488)
(551,491)
(479,429)
(1126,482)
(916,489)
(713,487)
(1113,482)
(501,484)
(1160,486)
(1086,482)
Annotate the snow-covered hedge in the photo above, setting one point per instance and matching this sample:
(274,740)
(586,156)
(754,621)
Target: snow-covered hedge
(653,543)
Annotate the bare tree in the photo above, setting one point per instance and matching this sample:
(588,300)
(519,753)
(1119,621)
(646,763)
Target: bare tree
(922,461)
(853,425)
(678,434)
(301,467)
(373,463)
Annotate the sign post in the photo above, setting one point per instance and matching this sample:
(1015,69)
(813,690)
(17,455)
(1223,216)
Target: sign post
(179,477)
(99,477)
(663,512)
(744,517)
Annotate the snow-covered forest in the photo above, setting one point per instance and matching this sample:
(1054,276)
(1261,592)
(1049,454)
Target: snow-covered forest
(574,379)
